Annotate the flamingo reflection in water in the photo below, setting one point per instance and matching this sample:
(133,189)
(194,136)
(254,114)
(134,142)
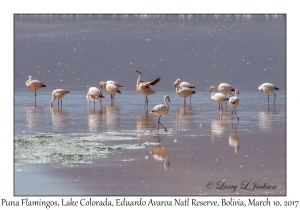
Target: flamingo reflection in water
(112,117)
(234,139)
(161,154)
(145,122)
(218,127)
(267,119)
(34,117)
(59,119)
(183,118)
(95,120)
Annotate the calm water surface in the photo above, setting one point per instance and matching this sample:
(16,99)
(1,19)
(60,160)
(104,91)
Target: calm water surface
(122,153)
(116,149)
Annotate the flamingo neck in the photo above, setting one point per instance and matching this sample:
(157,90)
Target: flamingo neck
(52,100)
(212,94)
(29,79)
(139,79)
(177,87)
(167,105)
(104,85)
(236,93)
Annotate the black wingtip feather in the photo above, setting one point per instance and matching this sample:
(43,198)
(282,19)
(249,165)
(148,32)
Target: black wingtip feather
(155,81)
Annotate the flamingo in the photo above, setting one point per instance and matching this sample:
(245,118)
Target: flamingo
(225,88)
(183,91)
(234,102)
(95,94)
(218,97)
(111,88)
(268,88)
(115,83)
(58,94)
(145,88)
(34,85)
(184,85)
(161,110)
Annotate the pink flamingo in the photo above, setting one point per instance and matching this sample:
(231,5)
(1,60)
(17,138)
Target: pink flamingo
(34,85)
(145,88)
(268,88)
(218,97)
(234,102)
(161,110)
(183,92)
(225,88)
(184,85)
(111,88)
(58,94)
(114,83)
(95,94)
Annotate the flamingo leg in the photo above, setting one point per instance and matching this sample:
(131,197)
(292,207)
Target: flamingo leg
(158,123)
(274,97)
(236,114)
(190,99)
(161,124)
(146,102)
(35,98)
(268,98)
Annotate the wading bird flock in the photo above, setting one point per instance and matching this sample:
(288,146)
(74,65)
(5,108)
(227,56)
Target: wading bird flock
(183,89)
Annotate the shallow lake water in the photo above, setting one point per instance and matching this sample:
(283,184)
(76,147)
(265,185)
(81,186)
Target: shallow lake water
(116,148)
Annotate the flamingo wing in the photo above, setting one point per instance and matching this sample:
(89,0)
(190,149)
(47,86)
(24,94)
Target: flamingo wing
(154,81)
